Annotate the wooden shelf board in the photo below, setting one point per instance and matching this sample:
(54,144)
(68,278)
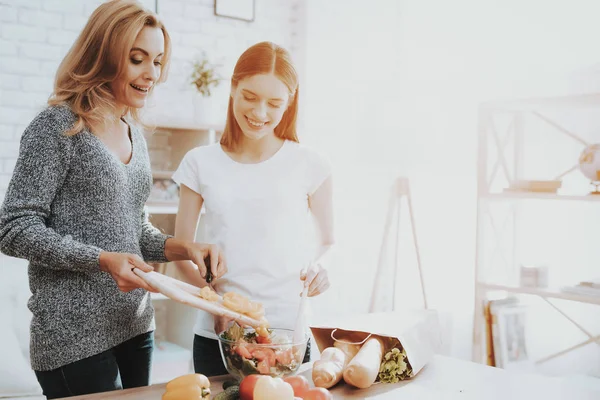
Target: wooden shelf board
(164,208)
(161,208)
(540,196)
(549,293)
(162,174)
(183,126)
(569,102)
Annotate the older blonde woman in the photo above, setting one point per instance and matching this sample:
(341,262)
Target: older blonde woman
(75,209)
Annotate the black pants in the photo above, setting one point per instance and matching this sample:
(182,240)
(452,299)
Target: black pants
(207,356)
(124,366)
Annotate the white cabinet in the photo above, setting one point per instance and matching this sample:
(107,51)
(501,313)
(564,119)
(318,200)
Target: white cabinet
(167,145)
(536,140)
(174,322)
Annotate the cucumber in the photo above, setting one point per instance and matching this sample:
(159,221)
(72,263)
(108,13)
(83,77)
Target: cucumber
(230,382)
(231,393)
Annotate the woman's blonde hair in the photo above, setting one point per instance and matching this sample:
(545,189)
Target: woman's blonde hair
(98,57)
(265,58)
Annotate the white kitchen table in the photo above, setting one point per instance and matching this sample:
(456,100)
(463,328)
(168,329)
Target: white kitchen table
(444,378)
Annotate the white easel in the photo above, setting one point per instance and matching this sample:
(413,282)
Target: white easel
(384,283)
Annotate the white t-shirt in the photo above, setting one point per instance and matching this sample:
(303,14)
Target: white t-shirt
(258,214)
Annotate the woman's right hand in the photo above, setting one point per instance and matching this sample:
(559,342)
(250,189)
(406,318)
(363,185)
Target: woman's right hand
(120,267)
(221,323)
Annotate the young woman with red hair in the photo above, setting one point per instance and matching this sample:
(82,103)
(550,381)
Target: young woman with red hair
(259,187)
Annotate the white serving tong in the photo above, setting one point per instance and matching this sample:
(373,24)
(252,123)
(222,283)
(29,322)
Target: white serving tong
(300,327)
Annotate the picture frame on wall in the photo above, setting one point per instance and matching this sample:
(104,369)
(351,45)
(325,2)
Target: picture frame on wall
(236,9)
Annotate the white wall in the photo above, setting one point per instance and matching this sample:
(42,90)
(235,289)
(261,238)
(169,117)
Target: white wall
(36,34)
(399,94)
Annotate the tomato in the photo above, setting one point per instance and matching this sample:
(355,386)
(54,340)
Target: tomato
(284,356)
(262,354)
(247,386)
(317,394)
(299,384)
(243,351)
(263,367)
(263,339)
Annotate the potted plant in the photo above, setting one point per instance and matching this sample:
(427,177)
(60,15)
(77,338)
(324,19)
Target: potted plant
(205,78)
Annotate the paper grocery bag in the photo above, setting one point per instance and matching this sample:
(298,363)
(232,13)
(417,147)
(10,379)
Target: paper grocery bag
(418,332)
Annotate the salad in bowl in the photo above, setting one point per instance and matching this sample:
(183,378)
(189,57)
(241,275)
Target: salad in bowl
(245,352)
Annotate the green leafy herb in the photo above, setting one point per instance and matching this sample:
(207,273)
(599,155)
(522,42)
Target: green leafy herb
(249,368)
(234,333)
(204,76)
(394,367)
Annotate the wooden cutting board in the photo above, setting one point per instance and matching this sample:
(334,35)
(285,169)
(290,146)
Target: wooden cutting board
(187,294)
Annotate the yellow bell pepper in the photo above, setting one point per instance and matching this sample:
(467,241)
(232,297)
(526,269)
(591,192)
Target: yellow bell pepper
(188,387)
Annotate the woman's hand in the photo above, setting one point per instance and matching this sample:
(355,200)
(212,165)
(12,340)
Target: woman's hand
(315,277)
(120,267)
(197,252)
(221,323)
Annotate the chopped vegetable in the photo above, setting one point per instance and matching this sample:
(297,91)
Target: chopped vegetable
(394,367)
(268,388)
(208,294)
(234,333)
(237,302)
(246,353)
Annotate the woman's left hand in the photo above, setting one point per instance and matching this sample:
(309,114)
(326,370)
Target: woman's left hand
(315,277)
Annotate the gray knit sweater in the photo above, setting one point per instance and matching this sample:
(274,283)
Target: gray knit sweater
(69,199)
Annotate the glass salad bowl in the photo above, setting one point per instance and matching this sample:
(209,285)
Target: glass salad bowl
(245,353)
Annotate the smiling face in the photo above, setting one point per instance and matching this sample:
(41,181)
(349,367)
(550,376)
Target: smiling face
(142,70)
(259,102)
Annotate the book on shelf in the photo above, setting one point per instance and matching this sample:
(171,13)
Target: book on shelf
(489,338)
(505,332)
(595,283)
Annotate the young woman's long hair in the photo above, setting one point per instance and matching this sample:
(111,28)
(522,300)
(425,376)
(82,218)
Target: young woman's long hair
(265,58)
(99,56)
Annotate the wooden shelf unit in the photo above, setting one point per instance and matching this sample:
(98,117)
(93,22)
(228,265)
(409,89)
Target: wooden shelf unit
(489,192)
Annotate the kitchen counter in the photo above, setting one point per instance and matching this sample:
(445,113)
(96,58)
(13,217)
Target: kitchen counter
(443,378)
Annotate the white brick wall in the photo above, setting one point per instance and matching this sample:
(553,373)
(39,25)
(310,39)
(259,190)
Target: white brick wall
(35,35)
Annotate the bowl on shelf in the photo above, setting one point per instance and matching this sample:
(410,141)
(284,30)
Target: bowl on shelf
(280,358)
